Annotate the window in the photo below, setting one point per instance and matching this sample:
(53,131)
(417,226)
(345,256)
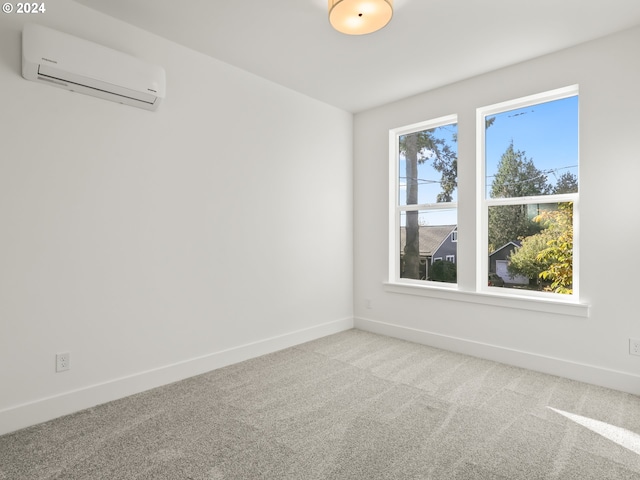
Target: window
(424,201)
(528,194)
(526,207)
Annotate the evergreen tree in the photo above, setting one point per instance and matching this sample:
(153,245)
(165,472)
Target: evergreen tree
(516,176)
(567,183)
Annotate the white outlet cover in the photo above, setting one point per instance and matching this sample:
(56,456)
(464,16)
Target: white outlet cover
(63,362)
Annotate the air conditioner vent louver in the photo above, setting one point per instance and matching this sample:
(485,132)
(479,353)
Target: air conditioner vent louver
(51,80)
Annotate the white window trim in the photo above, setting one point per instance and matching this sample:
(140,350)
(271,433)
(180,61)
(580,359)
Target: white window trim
(394,205)
(449,292)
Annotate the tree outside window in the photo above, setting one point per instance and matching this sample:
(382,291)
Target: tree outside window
(426,201)
(530,190)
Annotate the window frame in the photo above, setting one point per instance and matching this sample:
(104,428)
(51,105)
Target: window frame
(469,288)
(483,203)
(396,208)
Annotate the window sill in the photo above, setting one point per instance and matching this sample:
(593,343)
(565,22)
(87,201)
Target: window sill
(494,299)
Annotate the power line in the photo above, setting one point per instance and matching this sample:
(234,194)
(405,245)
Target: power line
(423,181)
(551,170)
(543,174)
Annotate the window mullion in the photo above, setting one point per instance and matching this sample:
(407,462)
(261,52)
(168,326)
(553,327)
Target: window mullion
(427,206)
(560,198)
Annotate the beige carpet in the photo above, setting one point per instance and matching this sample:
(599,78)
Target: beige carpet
(350,406)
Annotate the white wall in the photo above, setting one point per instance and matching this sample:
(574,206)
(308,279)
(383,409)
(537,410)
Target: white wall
(593,349)
(158,245)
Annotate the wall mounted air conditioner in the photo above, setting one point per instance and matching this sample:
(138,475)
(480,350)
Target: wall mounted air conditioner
(59,59)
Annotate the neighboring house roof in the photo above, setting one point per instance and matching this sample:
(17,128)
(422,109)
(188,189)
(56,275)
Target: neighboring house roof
(431,237)
(510,245)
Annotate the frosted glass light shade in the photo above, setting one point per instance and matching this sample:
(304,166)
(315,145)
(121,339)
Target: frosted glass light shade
(357,17)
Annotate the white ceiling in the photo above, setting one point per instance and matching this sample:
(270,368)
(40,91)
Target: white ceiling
(428,43)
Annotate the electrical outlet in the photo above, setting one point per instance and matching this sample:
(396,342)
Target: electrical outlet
(367,303)
(634,346)
(63,361)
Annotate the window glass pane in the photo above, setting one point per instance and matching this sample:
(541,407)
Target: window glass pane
(531,247)
(426,235)
(532,150)
(428,166)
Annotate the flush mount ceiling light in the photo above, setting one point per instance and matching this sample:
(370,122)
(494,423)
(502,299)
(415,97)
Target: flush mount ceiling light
(357,17)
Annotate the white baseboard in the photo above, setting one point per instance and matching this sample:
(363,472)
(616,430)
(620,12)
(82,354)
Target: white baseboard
(622,381)
(44,409)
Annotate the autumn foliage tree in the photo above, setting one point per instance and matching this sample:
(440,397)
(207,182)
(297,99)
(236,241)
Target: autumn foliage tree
(559,251)
(548,255)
